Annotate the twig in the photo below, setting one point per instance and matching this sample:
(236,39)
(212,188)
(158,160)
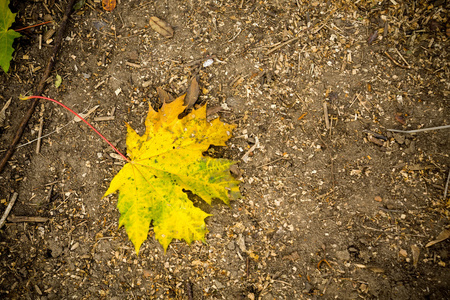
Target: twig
(40,88)
(31,26)
(49,194)
(99,84)
(446,185)
(401,56)
(255,146)
(188,289)
(325,114)
(395,62)
(270,162)
(130,64)
(323,142)
(283,44)
(82,119)
(234,37)
(323,261)
(41,125)
(8,209)
(104,118)
(419,130)
(247,269)
(22,219)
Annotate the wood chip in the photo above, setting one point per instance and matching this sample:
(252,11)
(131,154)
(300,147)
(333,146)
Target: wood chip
(104,118)
(130,64)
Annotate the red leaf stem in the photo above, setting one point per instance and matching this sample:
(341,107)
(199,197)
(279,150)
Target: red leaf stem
(82,119)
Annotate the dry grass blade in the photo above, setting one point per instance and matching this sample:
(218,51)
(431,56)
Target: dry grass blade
(161,27)
(192,93)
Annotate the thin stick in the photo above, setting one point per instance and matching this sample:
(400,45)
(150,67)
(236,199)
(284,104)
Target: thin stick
(233,38)
(401,56)
(255,146)
(188,289)
(446,185)
(31,26)
(22,219)
(283,44)
(271,162)
(8,209)
(41,125)
(419,130)
(40,88)
(325,114)
(395,62)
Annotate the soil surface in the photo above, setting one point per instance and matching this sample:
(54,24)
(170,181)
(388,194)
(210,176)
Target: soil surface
(334,205)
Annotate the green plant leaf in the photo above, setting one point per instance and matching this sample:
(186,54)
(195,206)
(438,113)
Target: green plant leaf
(7,35)
(166,162)
(58,81)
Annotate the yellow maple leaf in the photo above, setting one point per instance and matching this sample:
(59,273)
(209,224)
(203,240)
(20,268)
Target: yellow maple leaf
(165,162)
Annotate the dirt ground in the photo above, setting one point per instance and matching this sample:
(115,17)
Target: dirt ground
(334,205)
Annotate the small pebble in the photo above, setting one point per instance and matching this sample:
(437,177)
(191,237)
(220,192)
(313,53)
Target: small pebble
(208,62)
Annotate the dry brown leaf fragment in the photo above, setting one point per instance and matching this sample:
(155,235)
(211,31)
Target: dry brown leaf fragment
(164,96)
(292,257)
(192,93)
(445,234)
(213,110)
(161,27)
(109,5)
(372,37)
(415,254)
